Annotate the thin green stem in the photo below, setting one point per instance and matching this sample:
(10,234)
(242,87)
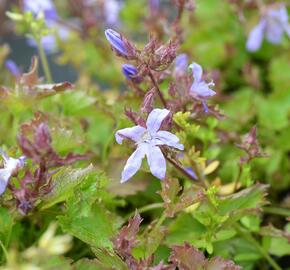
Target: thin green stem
(145,209)
(159,222)
(4,250)
(44,62)
(238,177)
(262,251)
(277,211)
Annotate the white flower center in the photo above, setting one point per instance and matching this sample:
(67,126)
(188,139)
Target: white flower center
(146,137)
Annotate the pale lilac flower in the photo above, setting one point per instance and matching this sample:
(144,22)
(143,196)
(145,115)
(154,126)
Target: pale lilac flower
(181,64)
(116,41)
(12,67)
(47,7)
(148,141)
(200,89)
(272,25)
(111,10)
(11,167)
(37,6)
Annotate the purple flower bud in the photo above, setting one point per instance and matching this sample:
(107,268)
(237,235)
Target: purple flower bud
(181,64)
(12,68)
(130,72)
(116,41)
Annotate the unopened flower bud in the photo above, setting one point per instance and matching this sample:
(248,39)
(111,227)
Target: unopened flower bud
(116,41)
(131,73)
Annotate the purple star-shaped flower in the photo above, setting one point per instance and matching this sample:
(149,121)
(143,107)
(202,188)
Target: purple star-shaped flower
(11,167)
(148,141)
(200,89)
(272,25)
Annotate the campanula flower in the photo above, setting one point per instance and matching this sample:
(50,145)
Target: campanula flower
(12,67)
(116,41)
(11,167)
(46,7)
(111,10)
(181,64)
(148,141)
(272,25)
(130,72)
(37,6)
(200,89)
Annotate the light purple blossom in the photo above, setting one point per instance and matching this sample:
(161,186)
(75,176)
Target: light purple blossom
(37,6)
(46,7)
(12,67)
(272,25)
(11,167)
(200,89)
(181,64)
(111,10)
(148,141)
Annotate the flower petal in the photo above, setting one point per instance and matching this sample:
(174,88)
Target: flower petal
(4,178)
(201,90)
(169,139)
(134,163)
(196,71)
(274,32)
(256,37)
(132,133)
(156,162)
(155,119)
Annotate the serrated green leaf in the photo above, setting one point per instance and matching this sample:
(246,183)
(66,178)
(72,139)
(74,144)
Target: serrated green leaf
(86,217)
(249,198)
(64,183)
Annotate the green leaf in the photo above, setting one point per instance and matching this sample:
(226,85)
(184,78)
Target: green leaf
(249,198)
(105,261)
(86,217)
(278,246)
(14,16)
(64,183)
(6,224)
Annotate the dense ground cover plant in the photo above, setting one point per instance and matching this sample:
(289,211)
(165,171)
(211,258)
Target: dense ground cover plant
(169,151)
